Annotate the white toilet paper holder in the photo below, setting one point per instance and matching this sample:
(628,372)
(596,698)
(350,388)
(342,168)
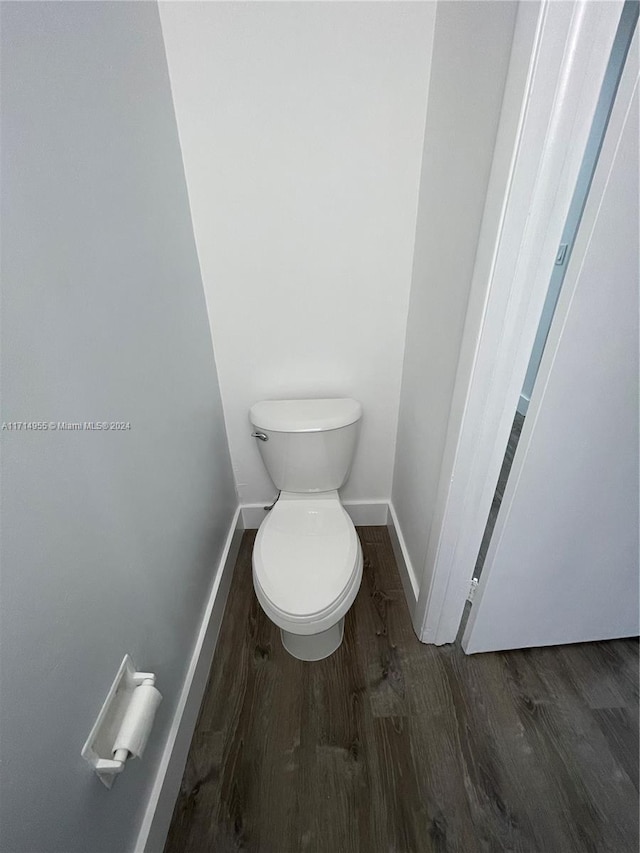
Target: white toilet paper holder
(99,750)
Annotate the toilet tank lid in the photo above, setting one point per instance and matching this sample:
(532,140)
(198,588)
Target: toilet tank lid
(305,415)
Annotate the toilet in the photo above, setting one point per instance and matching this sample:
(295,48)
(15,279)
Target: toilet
(307,558)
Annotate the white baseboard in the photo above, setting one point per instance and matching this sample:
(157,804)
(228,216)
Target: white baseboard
(405,569)
(361,512)
(157,818)
(253,515)
(367,513)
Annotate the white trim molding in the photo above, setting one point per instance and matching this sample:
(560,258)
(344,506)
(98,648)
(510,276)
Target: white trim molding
(253,515)
(403,561)
(361,513)
(366,513)
(157,818)
(558,63)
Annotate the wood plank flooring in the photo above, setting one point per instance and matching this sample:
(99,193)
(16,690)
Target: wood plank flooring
(391,746)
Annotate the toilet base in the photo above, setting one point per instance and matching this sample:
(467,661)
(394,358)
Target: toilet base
(314,646)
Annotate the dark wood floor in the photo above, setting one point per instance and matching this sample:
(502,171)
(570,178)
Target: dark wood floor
(391,746)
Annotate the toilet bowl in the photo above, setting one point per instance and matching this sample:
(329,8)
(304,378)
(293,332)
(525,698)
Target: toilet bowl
(307,559)
(307,568)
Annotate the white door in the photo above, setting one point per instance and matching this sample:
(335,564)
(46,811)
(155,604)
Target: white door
(563,564)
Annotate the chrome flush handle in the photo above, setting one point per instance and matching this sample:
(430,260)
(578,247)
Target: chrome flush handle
(260,435)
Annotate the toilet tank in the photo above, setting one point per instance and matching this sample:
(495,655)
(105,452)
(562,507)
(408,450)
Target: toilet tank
(309,444)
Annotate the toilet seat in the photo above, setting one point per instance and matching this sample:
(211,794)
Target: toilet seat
(307,562)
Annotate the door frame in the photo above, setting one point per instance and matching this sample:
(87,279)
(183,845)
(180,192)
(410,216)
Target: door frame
(558,62)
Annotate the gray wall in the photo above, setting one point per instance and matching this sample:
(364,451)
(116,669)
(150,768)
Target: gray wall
(471,49)
(109,539)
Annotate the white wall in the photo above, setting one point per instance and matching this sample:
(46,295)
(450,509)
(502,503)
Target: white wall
(471,50)
(109,540)
(301,127)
